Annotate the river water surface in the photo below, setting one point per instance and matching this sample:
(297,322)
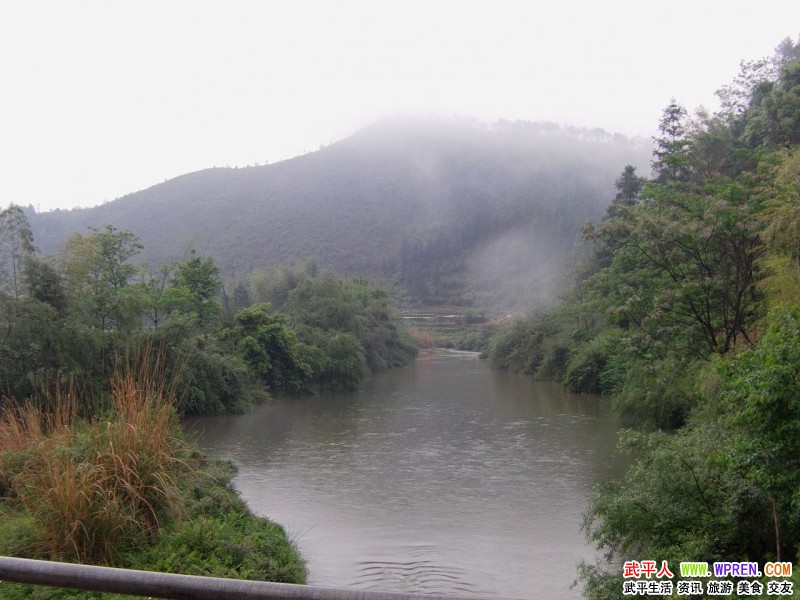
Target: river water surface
(440,477)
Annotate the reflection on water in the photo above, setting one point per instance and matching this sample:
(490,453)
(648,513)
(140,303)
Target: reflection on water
(442,477)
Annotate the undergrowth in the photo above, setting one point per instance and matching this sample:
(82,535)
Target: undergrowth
(125,489)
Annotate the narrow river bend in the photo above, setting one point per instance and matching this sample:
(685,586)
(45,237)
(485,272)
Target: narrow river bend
(441,477)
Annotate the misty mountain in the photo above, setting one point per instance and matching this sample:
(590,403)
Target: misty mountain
(455,212)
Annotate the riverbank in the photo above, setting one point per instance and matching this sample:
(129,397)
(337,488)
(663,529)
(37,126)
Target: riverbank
(126,489)
(218,537)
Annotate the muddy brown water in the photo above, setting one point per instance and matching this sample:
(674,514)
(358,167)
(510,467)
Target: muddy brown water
(441,477)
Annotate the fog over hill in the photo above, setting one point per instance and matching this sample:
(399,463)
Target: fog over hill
(453,211)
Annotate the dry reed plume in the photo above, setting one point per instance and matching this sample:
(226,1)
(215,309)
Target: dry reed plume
(97,485)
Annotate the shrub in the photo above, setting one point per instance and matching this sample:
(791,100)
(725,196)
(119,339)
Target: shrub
(215,381)
(219,536)
(586,365)
(234,544)
(508,346)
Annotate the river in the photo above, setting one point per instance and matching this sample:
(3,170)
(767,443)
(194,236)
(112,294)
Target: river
(441,477)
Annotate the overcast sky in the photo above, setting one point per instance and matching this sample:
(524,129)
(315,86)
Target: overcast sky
(101,98)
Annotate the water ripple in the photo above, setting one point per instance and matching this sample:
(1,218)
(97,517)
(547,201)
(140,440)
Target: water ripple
(421,572)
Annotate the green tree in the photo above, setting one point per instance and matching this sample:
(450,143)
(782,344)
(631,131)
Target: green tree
(773,117)
(762,398)
(16,245)
(31,304)
(214,379)
(672,160)
(336,359)
(694,256)
(157,303)
(629,186)
(45,283)
(679,500)
(99,275)
(267,345)
(194,289)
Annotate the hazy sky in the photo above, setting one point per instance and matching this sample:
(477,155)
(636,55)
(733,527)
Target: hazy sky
(100,98)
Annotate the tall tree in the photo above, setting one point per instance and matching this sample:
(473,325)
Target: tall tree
(16,245)
(629,188)
(157,304)
(699,251)
(672,162)
(32,308)
(194,288)
(99,275)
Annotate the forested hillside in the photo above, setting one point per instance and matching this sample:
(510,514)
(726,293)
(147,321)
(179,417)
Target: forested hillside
(454,212)
(686,309)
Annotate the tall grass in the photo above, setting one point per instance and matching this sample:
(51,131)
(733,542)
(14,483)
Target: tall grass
(27,424)
(20,425)
(23,427)
(100,485)
(145,447)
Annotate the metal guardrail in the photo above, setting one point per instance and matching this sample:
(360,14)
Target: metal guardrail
(178,587)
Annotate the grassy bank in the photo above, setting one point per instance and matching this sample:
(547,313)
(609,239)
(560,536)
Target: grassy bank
(125,489)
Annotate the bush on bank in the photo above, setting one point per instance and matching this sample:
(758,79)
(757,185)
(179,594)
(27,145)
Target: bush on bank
(125,489)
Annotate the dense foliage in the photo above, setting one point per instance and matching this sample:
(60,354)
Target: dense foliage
(67,317)
(686,309)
